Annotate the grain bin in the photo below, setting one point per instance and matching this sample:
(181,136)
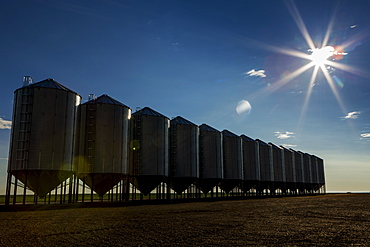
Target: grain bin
(102,143)
(314,173)
(210,158)
(41,148)
(289,169)
(184,154)
(307,172)
(251,165)
(149,148)
(278,167)
(321,173)
(232,161)
(266,166)
(299,170)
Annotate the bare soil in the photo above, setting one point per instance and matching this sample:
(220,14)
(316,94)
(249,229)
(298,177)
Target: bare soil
(326,220)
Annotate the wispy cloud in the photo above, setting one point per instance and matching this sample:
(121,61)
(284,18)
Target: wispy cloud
(3,158)
(288,145)
(284,135)
(365,135)
(5,124)
(260,73)
(352,115)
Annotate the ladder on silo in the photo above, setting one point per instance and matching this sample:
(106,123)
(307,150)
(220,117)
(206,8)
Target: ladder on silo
(90,136)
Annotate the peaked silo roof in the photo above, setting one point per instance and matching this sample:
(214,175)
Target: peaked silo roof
(228,133)
(206,127)
(246,138)
(274,145)
(287,149)
(50,83)
(181,120)
(105,99)
(149,112)
(262,142)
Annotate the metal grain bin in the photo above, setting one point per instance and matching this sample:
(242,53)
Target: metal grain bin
(149,149)
(232,161)
(251,165)
(321,173)
(266,166)
(299,171)
(307,171)
(289,169)
(279,167)
(41,149)
(184,154)
(314,174)
(102,143)
(210,159)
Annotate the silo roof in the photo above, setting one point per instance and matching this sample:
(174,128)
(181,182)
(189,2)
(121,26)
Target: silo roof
(207,128)
(262,142)
(287,149)
(105,99)
(181,120)
(50,83)
(246,138)
(274,145)
(228,133)
(149,112)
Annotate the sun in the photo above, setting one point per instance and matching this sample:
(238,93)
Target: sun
(320,56)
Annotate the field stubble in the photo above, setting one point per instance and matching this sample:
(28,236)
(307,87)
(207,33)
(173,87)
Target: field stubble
(326,220)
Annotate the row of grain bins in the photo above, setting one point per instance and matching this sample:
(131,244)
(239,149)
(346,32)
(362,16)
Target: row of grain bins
(64,151)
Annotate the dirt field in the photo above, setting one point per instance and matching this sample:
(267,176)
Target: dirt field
(330,220)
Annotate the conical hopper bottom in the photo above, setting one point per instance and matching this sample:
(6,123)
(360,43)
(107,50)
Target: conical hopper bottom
(179,185)
(41,182)
(147,183)
(206,184)
(101,183)
(229,184)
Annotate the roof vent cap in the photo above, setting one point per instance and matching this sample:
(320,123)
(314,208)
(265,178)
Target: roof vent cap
(27,80)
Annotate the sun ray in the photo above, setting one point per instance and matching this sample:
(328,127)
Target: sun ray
(330,28)
(278,84)
(298,20)
(307,99)
(348,68)
(334,89)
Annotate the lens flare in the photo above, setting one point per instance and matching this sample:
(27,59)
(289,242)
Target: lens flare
(243,107)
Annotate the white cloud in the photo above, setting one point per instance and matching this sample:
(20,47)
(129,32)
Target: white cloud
(5,124)
(3,158)
(284,135)
(352,115)
(288,145)
(260,73)
(365,135)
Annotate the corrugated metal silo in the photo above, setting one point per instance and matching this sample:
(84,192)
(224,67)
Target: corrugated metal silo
(299,171)
(251,165)
(149,149)
(102,143)
(184,154)
(314,174)
(321,173)
(266,166)
(307,171)
(279,167)
(41,149)
(289,169)
(232,161)
(210,158)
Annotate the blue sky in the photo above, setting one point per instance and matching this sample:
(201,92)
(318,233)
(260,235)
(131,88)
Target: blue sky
(198,60)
